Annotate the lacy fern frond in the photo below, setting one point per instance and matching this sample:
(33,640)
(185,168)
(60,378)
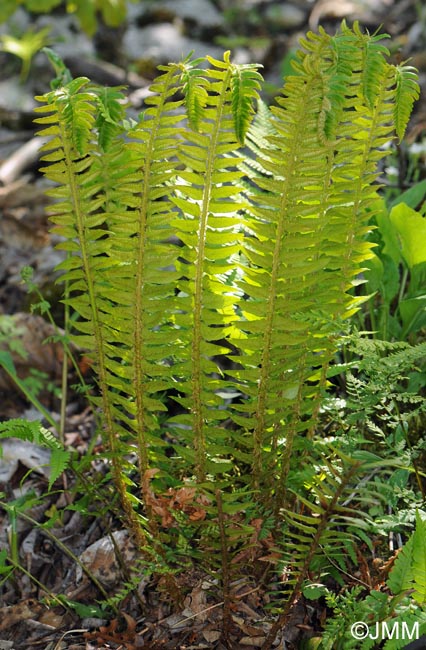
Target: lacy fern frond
(401,578)
(322,532)
(33,432)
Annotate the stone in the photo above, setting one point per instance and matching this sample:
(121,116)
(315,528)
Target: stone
(164,43)
(285,16)
(203,12)
(66,36)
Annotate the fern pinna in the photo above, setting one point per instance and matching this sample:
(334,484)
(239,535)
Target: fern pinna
(269,250)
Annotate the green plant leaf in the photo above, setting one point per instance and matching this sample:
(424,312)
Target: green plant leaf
(413,196)
(59,461)
(419,560)
(413,313)
(25,47)
(411,231)
(42,6)
(401,577)
(7,8)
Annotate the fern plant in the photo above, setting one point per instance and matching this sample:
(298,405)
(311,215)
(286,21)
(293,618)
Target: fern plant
(238,324)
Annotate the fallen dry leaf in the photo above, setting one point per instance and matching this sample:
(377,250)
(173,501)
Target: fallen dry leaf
(22,611)
(100,558)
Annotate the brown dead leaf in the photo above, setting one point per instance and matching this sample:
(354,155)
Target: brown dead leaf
(127,637)
(100,557)
(211,636)
(253,641)
(196,603)
(22,611)
(184,499)
(49,617)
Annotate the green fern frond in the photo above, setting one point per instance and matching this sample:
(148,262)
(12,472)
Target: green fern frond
(33,432)
(112,111)
(245,86)
(30,430)
(208,198)
(323,527)
(102,191)
(406,93)
(193,87)
(335,78)
(419,560)
(374,63)
(262,277)
(401,577)
(78,112)
(59,461)
(305,211)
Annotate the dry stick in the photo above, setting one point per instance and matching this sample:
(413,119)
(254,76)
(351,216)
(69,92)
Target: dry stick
(22,158)
(58,644)
(207,609)
(227,617)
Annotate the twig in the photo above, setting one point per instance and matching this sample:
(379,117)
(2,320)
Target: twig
(227,617)
(20,160)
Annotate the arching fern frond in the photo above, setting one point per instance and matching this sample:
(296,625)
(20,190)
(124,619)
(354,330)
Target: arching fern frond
(193,87)
(77,110)
(374,63)
(112,111)
(406,93)
(245,86)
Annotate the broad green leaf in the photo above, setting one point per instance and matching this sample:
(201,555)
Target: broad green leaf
(411,231)
(413,196)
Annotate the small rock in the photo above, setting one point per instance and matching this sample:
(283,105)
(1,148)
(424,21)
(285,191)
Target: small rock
(6,645)
(163,43)
(285,16)
(92,623)
(201,11)
(32,456)
(17,24)
(14,96)
(66,36)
